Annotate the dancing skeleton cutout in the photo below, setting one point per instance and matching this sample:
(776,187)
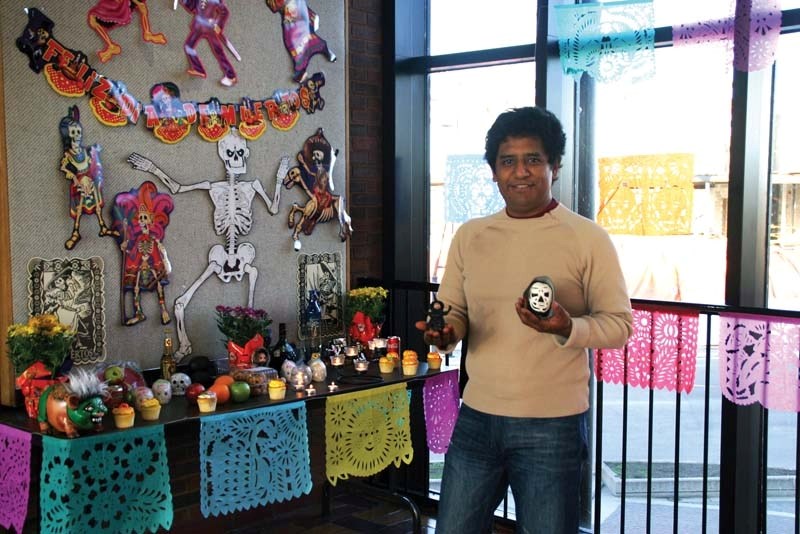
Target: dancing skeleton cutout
(233,216)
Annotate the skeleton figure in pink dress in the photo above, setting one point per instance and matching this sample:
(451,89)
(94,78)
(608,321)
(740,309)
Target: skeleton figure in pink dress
(109,14)
(300,24)
(208,22)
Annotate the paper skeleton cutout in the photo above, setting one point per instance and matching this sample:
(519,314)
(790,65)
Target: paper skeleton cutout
(314,176)
(172,122)
(141,217)
(539,296)
(208,22)
(81,166)
(233,216)
(109,14)
(300,24)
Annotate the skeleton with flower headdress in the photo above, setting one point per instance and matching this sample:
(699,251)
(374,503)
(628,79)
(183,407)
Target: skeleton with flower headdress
(141,216)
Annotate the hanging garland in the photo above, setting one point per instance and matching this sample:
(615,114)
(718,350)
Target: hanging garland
(69,74)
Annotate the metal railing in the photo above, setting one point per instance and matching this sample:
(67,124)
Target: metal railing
(627,419)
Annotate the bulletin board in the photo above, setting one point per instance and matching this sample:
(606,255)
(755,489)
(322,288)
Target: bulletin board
(38,213)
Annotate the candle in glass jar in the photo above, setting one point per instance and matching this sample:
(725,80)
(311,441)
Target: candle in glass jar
(351,351)
(380,342)
(299,381)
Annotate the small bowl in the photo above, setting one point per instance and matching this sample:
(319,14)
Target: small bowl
(361,365)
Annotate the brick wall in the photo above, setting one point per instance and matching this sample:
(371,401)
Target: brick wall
(366,127)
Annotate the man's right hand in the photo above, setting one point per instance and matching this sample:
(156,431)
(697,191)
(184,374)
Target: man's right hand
(442,339)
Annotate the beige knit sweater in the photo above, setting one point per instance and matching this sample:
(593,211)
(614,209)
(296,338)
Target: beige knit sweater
(513,369)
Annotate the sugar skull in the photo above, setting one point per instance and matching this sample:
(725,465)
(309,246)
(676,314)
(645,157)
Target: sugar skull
(287,369)
(180,381)
(141,394)
(539,296)
(162,389)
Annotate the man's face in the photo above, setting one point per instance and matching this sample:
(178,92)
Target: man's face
(523,175)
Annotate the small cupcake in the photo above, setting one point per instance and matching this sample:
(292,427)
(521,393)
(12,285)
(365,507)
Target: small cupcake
(207,401)
(123,415)
(277,389)
(409,354)
(434,361)
(410,362)
(386,364)
(151,409)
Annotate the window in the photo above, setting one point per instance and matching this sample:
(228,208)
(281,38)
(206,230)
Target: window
(463,105)
(464,25)
(784,227)
(663,155)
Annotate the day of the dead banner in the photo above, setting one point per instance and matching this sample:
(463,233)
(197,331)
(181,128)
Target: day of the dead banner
(68,73)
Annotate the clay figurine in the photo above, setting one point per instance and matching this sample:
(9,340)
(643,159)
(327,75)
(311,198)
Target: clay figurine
(436,313)
(539,296)
(75,405)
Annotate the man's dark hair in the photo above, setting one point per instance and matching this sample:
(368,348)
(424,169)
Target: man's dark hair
(527,122)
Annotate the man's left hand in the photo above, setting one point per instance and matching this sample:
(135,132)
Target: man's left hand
(559,322)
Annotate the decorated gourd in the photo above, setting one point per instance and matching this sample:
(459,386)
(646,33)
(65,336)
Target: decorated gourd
(74,406)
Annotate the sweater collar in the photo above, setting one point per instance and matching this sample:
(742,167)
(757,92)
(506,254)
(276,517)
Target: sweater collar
(550,207)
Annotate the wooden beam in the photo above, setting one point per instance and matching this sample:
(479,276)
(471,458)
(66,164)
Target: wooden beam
(7,392)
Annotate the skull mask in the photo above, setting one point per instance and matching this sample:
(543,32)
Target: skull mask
(162,389)
(180,381)
(233,151)
(539,296)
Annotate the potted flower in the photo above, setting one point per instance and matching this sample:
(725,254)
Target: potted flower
(365,312)
(246,330)
(37,350)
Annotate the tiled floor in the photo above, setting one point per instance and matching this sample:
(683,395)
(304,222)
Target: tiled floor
(352,513)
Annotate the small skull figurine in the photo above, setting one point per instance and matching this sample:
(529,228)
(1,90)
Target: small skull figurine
(141,394)
(539,296)
(162,389)
(180,381)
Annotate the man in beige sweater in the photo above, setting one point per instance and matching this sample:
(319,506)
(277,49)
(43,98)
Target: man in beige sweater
(523,418)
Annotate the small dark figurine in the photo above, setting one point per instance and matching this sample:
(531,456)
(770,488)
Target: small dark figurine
(436,313)
(260,357)
(539,296)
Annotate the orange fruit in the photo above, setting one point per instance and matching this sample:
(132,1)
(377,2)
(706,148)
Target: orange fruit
(222,391)
(225,380)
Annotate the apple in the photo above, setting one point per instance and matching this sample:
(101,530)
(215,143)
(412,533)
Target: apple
(193,391)
(240,391)
(114,374)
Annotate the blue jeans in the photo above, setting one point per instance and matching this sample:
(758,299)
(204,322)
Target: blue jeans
(541,458)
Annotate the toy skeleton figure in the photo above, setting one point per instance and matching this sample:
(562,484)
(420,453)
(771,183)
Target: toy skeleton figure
(208,22)
(539,296)
(300,24)
(233,216)
(81,166)
(141,217)
(109,14)
(314,176)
